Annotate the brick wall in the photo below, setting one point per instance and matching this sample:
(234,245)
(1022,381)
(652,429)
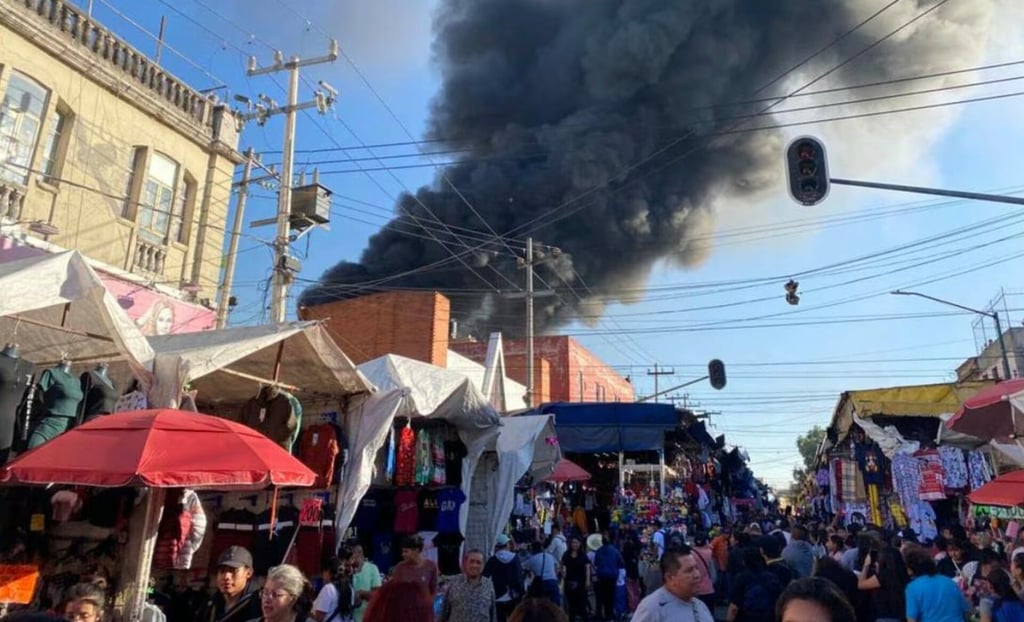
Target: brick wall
(410,324)
(571,365)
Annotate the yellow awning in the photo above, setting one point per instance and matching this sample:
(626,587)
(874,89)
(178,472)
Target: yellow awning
(922,400)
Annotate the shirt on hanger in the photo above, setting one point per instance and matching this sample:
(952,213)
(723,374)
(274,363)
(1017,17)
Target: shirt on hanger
(454,453)
(451,500)
(406,512)
(430,508)
(405,471)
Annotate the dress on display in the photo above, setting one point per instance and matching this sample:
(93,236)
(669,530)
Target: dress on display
(61,395)
(15,374)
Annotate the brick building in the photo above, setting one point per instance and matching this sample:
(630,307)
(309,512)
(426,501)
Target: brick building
(416,325)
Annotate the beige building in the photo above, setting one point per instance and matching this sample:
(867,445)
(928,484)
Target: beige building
(104,152)
(988,365)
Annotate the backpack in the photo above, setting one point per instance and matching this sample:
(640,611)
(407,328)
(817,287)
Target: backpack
(760,597)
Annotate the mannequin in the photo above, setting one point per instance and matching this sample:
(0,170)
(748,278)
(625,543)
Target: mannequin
(15,378)
(270,412)
(100,393)
(61,396)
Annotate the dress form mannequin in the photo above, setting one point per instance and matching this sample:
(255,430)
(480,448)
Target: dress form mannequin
(62,395)
(100,393)
(15,378)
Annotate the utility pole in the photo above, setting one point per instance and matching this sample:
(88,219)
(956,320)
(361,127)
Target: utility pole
(992,314)
(527,263)
(656,373)
(251,159)
(283,273)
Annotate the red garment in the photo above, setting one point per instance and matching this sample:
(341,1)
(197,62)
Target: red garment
(933,476)
(407,512)
(310,545)
(425,574)
(405,472)
(318,449)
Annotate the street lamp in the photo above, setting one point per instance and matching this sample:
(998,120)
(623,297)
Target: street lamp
(992,314)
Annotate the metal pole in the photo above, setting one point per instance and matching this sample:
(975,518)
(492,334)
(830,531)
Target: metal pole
(236,234)
(160,39)
(529,322)
(279,306)
(661,465)
(1002,346)
(977,196)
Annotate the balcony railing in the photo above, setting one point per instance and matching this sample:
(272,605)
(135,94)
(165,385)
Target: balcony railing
(115,52)
(149,257)
(12,200)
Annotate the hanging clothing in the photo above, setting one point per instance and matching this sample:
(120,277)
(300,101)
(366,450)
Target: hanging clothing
(933,487)
(62,393)
(271,414)
(389,461)
(297,413)
(954,466)
(869,461)
(318,449)
(921,518)
(135,400)
(15,376)
(906,478)
(100,394)
(439,474)
(406,462)
(424,458)
(977,469)
(181,530)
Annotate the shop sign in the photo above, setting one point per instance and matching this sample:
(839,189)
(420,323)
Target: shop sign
(995,511)
(18,583)
(153,312)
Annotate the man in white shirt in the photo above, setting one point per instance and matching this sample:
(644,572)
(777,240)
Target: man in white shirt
(659,538)
(676,600)
(558,545)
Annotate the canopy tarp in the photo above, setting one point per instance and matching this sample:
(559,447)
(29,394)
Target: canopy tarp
(590,427)
(225,365)
(409,388)
(56,304)
(925,400)
(524,445)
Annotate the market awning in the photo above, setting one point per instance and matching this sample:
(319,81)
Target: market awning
(613,426)
(55,304)
(924,400)
(299,356)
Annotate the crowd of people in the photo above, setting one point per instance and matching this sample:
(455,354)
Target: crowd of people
(764,571)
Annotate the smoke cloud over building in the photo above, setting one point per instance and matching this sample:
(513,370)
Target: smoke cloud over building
(604,127)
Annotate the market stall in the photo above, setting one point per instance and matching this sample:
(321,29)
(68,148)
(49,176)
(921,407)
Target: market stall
(415,446)
(885,462)
(154,451)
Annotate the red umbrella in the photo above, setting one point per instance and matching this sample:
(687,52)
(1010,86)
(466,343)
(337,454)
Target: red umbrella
(1007,490)
(568,471)
(990,414)
(160,449)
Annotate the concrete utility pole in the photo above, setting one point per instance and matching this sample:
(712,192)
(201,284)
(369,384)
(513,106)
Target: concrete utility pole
(656,373)
(251,159)
(532,259)
(282,271)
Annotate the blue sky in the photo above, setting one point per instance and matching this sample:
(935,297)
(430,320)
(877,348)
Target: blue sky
(787,365)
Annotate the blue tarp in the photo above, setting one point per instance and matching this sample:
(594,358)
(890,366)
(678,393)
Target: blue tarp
(615,426)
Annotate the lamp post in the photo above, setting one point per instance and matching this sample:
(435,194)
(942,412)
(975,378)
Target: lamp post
(992,314)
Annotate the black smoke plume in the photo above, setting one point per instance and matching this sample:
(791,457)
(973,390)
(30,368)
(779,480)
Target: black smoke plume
(549,99)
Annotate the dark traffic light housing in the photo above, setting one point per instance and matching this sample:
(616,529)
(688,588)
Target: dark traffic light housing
(716,373)
(808,170)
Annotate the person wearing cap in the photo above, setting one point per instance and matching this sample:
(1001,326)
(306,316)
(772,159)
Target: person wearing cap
(506,575)
(236,599)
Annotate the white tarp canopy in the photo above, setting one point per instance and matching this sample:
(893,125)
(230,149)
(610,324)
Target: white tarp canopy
(225,365)
(52,305)
(524,444)
(408,388)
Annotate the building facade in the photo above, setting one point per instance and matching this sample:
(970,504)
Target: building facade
(988,365)
(104,152)
(417,325)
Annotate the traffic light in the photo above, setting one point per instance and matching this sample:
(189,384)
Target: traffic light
(716,373)
(808,171)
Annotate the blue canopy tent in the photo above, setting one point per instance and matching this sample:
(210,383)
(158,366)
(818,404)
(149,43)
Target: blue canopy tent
(596,427)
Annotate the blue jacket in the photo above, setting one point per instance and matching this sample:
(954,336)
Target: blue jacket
(607,561)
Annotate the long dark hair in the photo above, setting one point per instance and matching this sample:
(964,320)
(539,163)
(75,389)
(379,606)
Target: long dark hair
(820,591)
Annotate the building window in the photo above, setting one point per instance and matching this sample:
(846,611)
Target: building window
(21,111)
(157,202)
(181,215)
(56,145)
